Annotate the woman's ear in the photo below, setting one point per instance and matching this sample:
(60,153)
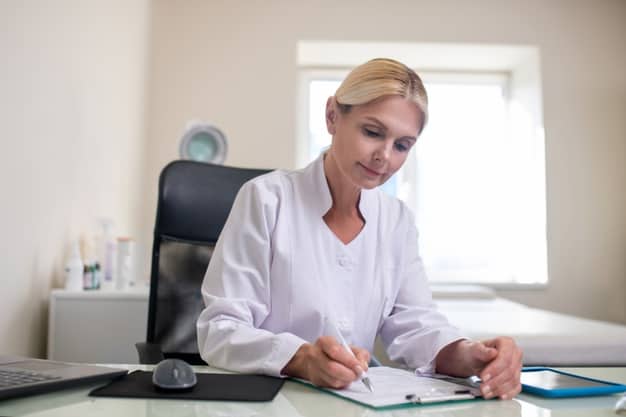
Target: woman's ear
(331,115)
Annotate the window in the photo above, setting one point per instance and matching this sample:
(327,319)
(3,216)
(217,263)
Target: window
(475,179)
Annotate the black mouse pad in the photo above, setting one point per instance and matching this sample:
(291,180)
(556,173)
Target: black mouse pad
(217,387)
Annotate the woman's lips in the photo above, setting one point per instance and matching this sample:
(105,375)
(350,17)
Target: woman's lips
(370,171)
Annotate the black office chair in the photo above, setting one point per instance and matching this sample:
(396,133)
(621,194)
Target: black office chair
(194,201)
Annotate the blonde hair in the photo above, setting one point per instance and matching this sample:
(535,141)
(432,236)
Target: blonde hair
(382,77)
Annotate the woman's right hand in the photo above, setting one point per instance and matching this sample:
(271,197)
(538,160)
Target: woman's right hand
(327,364)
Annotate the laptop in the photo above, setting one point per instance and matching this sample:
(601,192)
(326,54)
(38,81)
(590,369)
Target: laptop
(25,376)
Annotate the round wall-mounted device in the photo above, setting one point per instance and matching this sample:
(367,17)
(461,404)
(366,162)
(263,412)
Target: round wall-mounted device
(204,142)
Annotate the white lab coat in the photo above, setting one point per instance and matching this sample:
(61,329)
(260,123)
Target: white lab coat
(278,272)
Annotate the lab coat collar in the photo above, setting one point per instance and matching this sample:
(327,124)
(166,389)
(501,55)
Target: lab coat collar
(320,198)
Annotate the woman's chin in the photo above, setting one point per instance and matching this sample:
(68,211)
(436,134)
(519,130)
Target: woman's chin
(370,183)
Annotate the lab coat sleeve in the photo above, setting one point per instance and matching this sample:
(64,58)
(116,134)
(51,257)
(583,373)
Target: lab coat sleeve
(236,289)
(414,331)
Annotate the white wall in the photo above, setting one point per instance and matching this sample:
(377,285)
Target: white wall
(72,81)
(233,63)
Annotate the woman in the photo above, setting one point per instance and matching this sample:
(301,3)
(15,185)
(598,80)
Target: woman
(323,245)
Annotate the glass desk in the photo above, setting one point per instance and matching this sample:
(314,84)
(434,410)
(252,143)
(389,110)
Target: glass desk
(297,400)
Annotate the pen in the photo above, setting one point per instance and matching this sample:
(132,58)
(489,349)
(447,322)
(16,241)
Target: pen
(439,398)
(337,334)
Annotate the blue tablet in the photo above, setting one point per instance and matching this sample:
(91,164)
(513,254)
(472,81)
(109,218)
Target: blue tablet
(548,382)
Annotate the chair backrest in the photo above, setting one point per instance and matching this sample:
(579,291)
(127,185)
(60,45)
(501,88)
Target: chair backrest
(193,204)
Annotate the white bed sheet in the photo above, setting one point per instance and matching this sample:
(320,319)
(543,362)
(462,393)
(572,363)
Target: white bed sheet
(547,338)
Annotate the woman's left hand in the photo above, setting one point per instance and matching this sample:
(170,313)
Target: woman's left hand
(497,361)
(501,374)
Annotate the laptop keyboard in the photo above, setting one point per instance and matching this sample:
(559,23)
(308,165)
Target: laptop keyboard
(14,377)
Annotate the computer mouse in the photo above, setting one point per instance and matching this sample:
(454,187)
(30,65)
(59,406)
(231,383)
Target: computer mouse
(620,406)
(174,374)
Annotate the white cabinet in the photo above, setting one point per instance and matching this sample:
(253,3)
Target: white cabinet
(97,326)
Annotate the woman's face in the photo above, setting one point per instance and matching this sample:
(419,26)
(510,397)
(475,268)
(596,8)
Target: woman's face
(371,142)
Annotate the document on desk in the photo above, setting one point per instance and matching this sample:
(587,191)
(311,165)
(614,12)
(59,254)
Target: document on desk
(394,388)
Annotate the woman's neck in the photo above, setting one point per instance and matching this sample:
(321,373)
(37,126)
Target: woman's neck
(345,195)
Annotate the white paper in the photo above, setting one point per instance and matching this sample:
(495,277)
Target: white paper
(391,387)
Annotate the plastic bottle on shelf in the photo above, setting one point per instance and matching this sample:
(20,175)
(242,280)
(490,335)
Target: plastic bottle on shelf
(86,276)
(89,260)
(97,276)
(74,270)
(125,276)
(107,253)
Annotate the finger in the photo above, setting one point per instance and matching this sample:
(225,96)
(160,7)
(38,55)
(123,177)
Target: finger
(326,372)
(323,380)
(505,385)
(483,353)
(337,352)
(499,386)
(501,343)
(505,361)
(335,378)
(498,342)
(340,371)
(362,356)
(339,363)
(491,342)
(509,355)
(517,388)
(508,390)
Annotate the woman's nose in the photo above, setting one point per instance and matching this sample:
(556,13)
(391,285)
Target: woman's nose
(383,152)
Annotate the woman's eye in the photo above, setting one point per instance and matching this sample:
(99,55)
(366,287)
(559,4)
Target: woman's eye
(401,147)
(371,133)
